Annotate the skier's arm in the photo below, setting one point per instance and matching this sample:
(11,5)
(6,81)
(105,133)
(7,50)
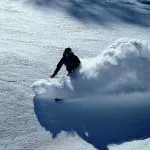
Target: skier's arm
(59,65)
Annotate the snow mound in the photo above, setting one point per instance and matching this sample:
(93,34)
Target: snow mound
(121,68)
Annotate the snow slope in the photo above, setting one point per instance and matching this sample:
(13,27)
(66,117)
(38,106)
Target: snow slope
(32,40)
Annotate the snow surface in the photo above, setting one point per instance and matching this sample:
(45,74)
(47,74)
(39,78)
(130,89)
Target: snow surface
(33,36)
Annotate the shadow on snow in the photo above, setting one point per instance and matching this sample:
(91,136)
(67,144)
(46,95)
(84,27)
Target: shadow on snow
(106,119)
(102,11)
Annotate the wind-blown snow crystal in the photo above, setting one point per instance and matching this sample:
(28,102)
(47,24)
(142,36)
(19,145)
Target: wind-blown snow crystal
(122,67)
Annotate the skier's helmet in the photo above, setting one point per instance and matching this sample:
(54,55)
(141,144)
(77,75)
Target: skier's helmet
(67,52)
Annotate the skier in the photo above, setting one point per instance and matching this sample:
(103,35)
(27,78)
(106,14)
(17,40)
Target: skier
(70,60)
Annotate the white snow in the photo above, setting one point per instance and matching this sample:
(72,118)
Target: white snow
(134,145)
(33,37)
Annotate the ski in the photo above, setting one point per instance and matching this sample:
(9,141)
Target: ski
(58,99)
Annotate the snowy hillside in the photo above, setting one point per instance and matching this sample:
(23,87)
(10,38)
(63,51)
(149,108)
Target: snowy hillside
(106,107)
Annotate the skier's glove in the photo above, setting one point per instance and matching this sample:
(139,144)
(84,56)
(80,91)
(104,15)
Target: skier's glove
(53,75)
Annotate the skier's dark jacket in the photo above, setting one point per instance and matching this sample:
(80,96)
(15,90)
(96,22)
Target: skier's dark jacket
(71,63)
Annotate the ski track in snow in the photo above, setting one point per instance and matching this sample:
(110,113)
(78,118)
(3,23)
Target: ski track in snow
(32,40)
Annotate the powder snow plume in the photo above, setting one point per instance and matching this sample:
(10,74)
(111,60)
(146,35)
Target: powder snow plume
(123,67)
